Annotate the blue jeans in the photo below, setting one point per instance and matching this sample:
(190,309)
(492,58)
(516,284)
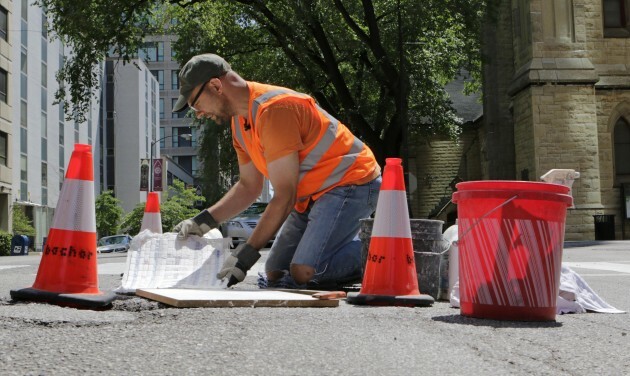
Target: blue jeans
(325,235)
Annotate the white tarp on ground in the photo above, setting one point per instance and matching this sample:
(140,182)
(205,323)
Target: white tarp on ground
(574,296)
(163,261)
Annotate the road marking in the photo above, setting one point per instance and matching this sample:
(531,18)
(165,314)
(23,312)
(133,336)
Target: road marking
(4,267)
(112,268)
(621,268)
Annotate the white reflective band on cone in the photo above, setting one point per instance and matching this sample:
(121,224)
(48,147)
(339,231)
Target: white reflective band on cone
(75,208)
(392,215)
(152,222)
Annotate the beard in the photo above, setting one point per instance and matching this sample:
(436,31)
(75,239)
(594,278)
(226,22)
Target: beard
(224,114)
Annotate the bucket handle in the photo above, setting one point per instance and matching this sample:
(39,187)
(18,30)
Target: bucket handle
(485,215)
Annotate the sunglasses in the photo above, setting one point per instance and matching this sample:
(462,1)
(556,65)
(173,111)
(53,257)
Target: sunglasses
(194,102)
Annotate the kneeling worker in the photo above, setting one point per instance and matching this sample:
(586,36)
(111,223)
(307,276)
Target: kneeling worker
(324,178)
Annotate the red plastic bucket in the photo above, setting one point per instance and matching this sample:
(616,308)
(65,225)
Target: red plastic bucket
(510,248)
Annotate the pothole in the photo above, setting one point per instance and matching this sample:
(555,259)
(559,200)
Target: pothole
(135,304)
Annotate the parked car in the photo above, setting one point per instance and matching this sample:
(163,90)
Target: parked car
(240,228)
(114,243)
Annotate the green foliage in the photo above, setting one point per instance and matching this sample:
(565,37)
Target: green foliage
(21,224)
(108,214)
(377,65)
(5,243)
(133,220)
(93,29)
(178,206)
(219,160)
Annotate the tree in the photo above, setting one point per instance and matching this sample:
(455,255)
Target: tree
(108,213)
(377,65)
(21,224)
(219,165)
(178,206)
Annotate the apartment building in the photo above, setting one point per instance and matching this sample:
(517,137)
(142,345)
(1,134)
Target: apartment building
(39,139)
(128,129)
(159,57)
(6,116)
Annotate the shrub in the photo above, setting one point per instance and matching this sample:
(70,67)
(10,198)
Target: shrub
(5,243)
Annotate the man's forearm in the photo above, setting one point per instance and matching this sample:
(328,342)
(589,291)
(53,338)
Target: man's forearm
(272,219)
(237,199)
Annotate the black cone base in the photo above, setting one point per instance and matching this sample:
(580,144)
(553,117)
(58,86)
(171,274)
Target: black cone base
(83,301)
(422,300)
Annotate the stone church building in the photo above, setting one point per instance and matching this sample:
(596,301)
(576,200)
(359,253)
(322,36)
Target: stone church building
(556,95)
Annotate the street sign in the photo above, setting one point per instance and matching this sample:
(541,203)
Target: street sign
(157,174)
(144,174)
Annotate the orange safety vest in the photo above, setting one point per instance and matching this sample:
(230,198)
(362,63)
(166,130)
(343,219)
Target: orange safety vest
(336,157)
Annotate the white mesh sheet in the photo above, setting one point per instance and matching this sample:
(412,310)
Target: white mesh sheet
(163,261)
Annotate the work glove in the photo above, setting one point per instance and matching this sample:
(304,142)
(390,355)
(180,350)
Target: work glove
(238,263)
(198,225)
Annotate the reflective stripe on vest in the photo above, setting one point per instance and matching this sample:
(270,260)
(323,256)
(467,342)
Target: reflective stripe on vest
(323,144)
(238,134)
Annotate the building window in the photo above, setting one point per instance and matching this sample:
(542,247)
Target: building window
(159,76)
(558,20)
(24,195)
(23,86)
(622,151)
(177,115)
(44,133)
(44,149)
(44,49)
(62,159)
(62,132)
(4,148)
(23,140)
(44,25)
(179,142)
(23,114)
(23,63)
(3,85)
(161,108)
(23,168)
(175,80)
(44,100)
(44,174)
(25,10)
(44,75)
(616,16)
(24,33)
(44,122)
(152,51)
(195,167)
(4,23)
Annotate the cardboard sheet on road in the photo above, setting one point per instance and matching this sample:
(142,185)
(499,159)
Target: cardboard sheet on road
(193,298)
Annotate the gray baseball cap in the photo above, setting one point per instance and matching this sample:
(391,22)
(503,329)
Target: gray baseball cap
(198,70)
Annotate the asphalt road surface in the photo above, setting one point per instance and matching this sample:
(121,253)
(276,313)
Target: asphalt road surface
(141,337)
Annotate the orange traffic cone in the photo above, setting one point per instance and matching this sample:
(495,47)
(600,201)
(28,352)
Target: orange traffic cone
(390,272)
(152,219)
(67,274)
